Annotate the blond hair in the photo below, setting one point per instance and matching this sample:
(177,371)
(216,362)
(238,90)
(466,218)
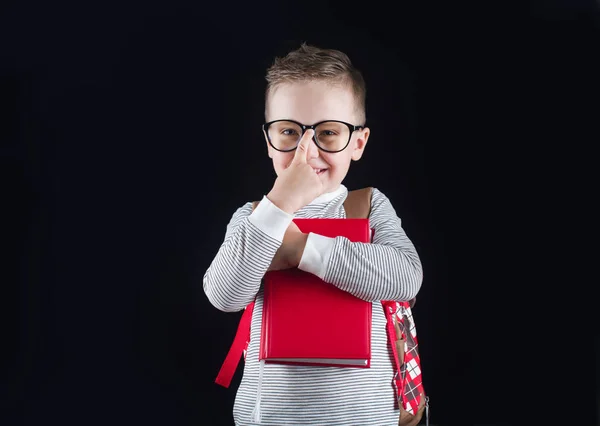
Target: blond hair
(310,63)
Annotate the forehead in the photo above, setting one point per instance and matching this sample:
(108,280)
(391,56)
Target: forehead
(311,102)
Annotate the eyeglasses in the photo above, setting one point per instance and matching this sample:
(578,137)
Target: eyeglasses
(330,135)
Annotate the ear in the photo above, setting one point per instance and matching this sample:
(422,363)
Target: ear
(361,142)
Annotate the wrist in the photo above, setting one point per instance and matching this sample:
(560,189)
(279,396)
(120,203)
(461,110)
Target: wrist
(300,246)
(280,203)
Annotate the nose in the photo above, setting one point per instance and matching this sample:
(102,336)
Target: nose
(313,150)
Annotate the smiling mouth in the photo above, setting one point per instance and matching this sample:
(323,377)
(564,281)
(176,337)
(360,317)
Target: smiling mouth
(320,171)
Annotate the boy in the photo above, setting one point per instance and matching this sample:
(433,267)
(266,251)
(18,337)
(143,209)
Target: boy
(312,86)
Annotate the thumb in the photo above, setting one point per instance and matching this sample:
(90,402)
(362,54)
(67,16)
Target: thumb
(301,154)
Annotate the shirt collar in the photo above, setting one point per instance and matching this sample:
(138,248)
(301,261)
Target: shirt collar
(328,196)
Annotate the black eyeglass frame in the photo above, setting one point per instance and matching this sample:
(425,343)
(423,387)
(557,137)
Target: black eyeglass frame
(304,127)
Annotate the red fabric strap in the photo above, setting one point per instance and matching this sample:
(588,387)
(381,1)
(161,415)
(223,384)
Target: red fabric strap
(390,309)
(237,348)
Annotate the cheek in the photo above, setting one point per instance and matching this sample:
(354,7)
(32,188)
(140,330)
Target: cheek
(282,161)
(339,163)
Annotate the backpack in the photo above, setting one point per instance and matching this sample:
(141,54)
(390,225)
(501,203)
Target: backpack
(401,333)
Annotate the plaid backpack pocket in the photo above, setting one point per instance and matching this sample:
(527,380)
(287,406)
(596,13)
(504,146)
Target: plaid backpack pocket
(408,381)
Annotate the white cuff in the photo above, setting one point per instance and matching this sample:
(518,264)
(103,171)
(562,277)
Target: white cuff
(271,219)
(316,254)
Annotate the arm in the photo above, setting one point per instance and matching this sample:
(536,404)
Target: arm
(234,276)
(387,269)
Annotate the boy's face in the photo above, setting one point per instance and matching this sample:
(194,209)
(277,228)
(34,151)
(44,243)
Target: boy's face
(309,103)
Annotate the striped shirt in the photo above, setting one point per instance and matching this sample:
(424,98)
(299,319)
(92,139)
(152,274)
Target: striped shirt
(387,269)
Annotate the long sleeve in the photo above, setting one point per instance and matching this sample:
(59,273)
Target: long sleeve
(387,269)
(252,238)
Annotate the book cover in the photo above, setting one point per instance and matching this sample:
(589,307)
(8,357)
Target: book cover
(307,321)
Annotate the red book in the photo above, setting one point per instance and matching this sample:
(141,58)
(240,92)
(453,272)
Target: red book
(307,321)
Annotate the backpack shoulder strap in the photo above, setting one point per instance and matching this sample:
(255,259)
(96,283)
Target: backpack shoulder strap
(358,203)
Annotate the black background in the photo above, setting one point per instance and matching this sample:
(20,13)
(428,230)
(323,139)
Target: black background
(131,133)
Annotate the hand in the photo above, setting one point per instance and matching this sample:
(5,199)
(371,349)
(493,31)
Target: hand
(298,184)
(407,419)
(290,252)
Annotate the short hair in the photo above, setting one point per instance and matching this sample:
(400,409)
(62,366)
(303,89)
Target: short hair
(310,63)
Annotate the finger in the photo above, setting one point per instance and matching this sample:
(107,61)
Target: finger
(301,154)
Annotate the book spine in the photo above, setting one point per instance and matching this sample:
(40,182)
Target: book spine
(264,332)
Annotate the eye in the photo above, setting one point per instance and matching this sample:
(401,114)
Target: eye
(289,132)
(328,133)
